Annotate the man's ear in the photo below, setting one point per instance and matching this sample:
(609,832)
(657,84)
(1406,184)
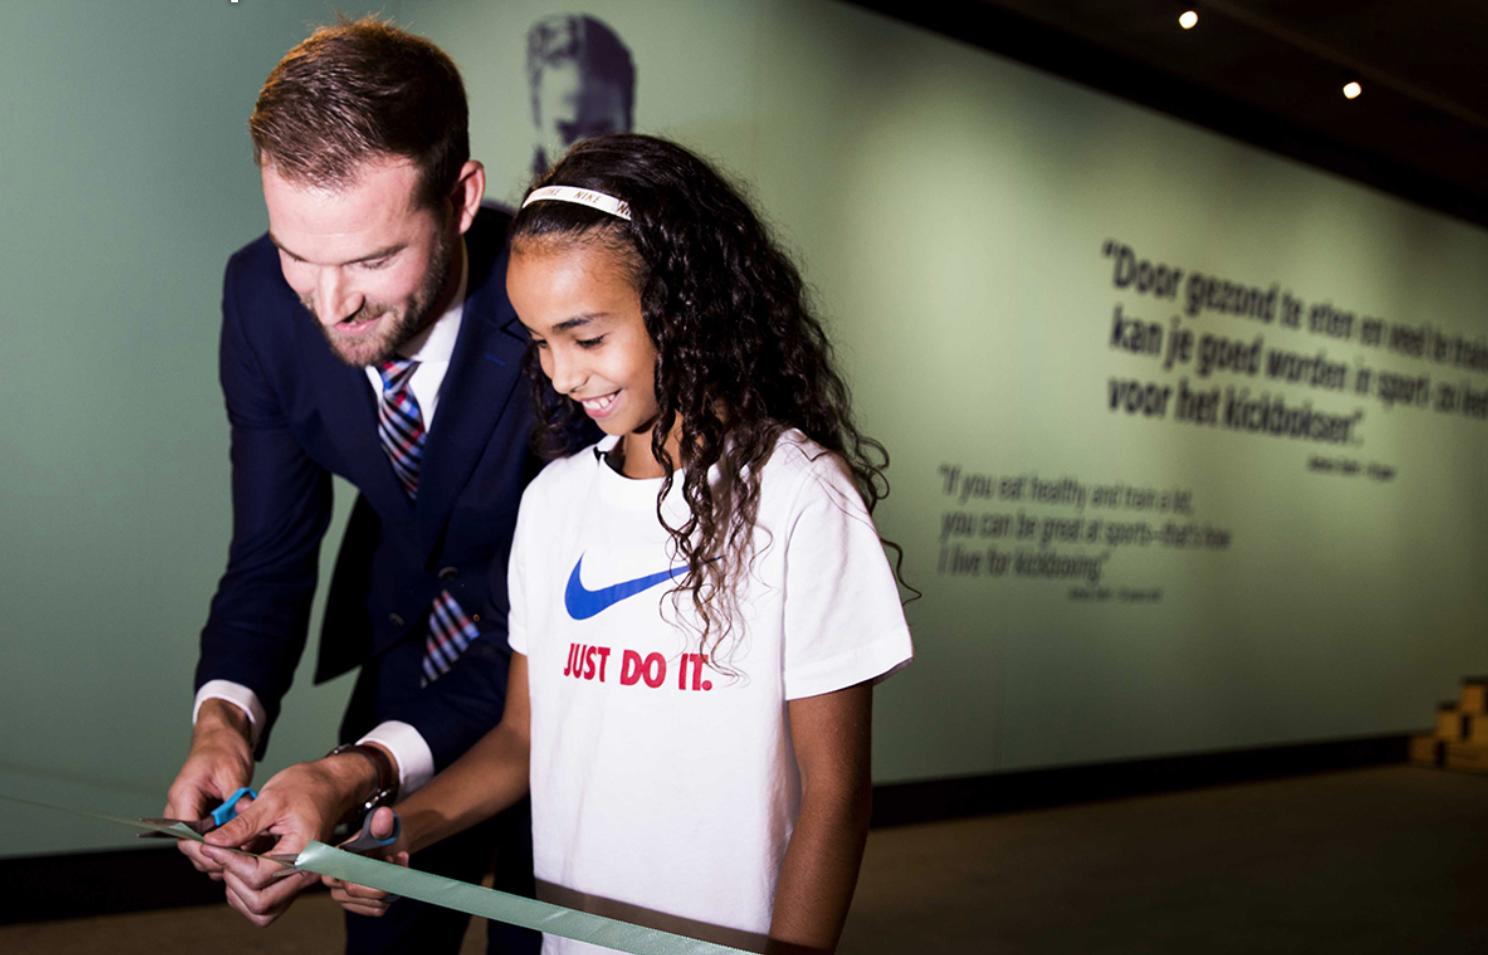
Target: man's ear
(470,189)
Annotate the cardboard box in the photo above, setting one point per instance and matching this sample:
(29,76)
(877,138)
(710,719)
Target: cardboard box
(1476,729)
(1469,757)
(1474,698)
(1449,723)
(1427,751)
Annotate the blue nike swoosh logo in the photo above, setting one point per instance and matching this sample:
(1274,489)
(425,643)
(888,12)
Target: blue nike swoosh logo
(583,603)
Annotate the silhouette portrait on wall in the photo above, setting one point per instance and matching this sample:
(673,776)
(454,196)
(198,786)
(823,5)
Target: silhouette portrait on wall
(582,79)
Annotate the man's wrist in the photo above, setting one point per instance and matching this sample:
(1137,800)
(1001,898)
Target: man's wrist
(229,691)
(353,778)
(371,771)
(383,764)
(218,716)
(409,751)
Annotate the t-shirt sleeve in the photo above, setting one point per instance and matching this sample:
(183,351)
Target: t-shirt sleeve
(843,620)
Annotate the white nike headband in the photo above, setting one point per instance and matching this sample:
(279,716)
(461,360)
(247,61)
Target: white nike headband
(583,197)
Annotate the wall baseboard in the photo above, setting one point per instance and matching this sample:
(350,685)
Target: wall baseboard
(109,882)
(899,804)
(83,884)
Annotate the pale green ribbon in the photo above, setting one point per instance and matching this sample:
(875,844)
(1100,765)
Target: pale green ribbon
(466,897)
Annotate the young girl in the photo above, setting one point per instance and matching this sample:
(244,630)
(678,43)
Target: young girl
(700,602)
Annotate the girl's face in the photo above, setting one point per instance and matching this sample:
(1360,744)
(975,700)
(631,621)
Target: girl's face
(584,315)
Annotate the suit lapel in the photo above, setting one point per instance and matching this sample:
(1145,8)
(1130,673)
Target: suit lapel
(484,372)
(350,408)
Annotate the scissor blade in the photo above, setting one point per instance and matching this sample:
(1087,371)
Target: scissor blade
(201,827)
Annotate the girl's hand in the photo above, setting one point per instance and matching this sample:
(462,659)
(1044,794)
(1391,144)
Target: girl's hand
(361,899)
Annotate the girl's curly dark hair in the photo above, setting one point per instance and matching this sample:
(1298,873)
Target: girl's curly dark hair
(740,356)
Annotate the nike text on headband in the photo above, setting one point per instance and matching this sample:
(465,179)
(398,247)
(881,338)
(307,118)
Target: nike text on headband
(584,197)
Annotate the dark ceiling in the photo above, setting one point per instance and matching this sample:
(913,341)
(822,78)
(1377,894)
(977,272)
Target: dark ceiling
(1271,73)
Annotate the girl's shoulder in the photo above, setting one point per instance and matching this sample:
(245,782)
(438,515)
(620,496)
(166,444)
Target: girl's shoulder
(796,455)
(800,468)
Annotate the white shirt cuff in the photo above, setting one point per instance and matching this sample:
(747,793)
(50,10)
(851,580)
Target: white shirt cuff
(238,695)
(414,758)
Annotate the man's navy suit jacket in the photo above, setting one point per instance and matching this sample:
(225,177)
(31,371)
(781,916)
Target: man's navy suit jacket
(298,415)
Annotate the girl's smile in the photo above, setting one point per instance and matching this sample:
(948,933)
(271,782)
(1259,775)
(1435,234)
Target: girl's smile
(600,407)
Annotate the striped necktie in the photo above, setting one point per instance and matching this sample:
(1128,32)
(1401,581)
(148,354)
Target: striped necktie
(400,426)
(400,422)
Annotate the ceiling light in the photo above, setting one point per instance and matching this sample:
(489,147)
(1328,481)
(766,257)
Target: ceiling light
(1188,19)
(1352,89)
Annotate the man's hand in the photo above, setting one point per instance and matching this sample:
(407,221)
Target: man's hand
(220,763)
(301,803)
(359,899)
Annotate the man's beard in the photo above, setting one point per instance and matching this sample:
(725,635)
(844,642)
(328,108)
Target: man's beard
(402,323)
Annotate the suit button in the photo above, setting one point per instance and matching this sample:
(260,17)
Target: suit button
(447,573)
(395,620)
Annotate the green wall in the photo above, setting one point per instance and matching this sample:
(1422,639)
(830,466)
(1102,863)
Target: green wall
(128,181)
(950,208)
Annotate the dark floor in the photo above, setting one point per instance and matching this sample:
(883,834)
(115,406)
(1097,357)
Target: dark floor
(1391,860)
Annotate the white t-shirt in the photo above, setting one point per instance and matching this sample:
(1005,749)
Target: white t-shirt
(663,791)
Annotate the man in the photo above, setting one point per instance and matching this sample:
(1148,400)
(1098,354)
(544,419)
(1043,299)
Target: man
(368,335)
(582,80)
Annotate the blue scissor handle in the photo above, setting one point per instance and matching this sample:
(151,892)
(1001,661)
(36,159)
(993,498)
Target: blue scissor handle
(229,807)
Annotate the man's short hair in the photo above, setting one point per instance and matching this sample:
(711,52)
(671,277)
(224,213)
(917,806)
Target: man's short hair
(587,41)
(358,91)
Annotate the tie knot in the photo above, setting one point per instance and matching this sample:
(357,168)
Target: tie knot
(395,372)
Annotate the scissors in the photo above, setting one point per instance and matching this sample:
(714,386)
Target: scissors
(201,827)
(362,842)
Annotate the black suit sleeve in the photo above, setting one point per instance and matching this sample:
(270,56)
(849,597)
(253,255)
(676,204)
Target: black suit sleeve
(281,503)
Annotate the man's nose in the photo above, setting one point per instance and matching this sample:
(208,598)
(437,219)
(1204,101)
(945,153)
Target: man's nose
(334,300)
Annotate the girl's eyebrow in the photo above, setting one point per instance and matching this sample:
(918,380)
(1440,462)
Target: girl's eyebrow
(571,323)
